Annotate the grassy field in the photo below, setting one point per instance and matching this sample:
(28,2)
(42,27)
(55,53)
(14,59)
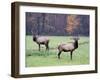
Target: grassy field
(36,58)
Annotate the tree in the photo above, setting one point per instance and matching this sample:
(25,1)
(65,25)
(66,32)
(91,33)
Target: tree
(73,22)
(43,21)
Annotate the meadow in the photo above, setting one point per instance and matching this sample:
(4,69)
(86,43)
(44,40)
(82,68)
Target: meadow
(36,58)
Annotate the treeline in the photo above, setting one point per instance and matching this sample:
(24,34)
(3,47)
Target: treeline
(57,24)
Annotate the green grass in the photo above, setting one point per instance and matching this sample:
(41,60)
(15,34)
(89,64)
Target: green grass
(36,58)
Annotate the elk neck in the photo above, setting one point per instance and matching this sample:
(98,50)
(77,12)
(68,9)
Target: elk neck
(34,38)
(76,44)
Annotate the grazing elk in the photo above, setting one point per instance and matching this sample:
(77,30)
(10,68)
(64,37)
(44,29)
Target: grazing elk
(68,47)
(41,40)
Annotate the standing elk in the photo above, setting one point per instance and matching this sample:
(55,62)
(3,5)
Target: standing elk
(41,40)
(68,47)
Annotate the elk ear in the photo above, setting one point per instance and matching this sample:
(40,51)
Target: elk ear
(34,35)
(75,38)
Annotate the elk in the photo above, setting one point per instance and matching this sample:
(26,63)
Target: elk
(68,47)
(41,40)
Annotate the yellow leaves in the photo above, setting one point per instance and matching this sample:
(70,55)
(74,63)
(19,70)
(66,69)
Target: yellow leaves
(73,22)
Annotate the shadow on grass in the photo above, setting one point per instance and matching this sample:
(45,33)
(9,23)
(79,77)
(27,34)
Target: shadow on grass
(42,53)
(85,42)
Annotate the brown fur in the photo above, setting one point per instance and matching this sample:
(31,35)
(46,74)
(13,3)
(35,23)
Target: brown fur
(41,40)
(69,47)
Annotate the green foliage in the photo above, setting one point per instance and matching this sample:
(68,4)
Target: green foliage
(36,58)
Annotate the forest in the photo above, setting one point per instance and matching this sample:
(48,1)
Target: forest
(57,24)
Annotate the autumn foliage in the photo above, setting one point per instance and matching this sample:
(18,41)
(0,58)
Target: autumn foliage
(73,22)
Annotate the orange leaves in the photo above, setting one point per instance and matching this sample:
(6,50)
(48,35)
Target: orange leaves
(73,22)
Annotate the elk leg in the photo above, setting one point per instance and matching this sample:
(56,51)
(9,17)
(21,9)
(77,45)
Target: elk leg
(71,54)
(39,47)
(59,54)
(47,46)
